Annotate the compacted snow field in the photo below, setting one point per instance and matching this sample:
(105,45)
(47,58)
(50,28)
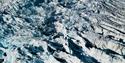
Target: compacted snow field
(62,31)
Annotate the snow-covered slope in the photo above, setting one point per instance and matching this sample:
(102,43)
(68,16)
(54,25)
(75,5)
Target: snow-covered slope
(62,31)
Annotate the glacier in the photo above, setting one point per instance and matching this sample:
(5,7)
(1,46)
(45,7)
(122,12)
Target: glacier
(62,31)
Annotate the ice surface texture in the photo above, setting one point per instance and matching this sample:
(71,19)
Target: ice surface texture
(62,31)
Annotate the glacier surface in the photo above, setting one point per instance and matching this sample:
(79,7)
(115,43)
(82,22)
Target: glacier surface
(62,31)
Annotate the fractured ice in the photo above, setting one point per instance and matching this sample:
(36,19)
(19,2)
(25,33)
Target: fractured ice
(62,31)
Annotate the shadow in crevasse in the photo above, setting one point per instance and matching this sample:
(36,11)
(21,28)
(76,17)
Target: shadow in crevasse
(78,52)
